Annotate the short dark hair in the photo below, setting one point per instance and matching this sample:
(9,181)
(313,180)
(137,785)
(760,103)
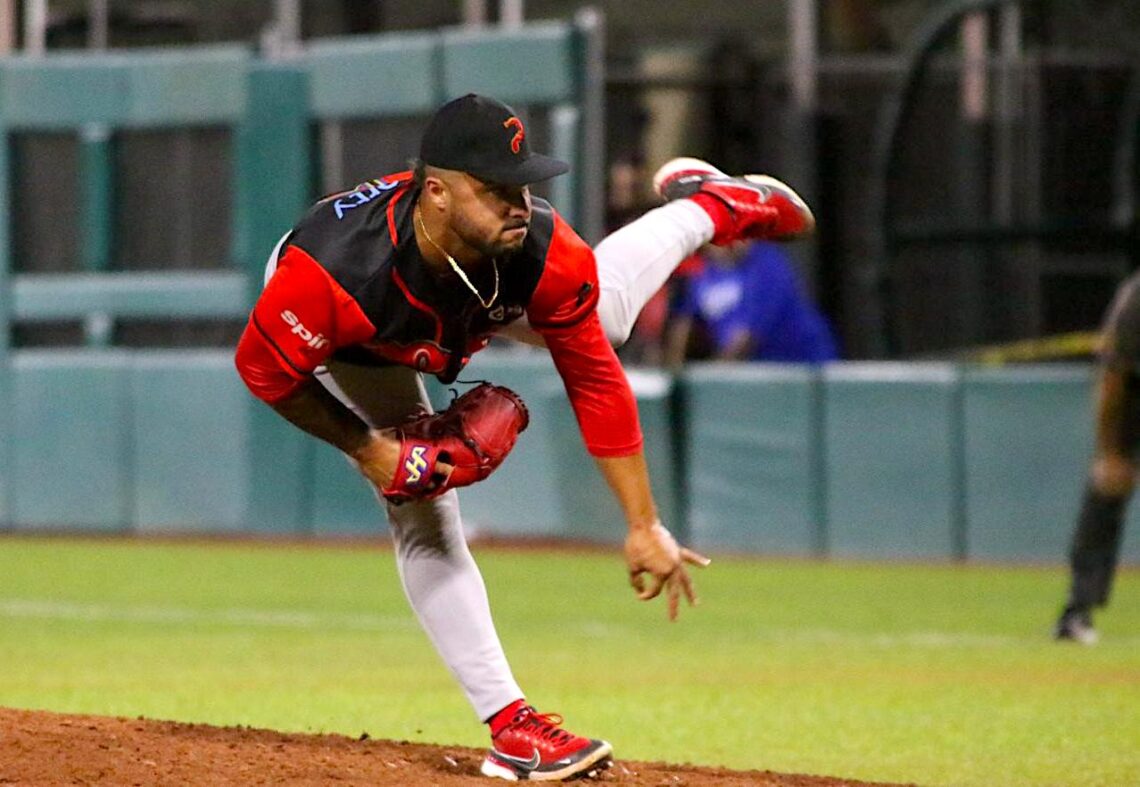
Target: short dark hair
(419,171)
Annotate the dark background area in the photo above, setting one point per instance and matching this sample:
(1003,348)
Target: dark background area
(1015,224)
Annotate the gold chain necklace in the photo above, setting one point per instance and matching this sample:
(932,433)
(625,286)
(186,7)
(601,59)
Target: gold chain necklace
(455,265)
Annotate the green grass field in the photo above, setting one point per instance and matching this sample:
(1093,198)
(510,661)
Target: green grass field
(930,674)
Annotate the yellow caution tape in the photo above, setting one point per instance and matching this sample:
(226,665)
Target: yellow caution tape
(1045,348)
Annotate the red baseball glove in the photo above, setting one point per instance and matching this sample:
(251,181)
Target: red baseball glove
(473,436)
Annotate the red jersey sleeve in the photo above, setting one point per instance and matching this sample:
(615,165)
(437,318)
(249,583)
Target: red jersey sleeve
(302,316)
(563,310)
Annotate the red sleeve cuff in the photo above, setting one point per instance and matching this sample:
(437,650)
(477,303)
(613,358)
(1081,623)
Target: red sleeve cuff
(606,451)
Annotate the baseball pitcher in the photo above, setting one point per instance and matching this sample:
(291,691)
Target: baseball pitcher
(414,272)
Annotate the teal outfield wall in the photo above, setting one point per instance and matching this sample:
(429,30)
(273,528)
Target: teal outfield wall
(856,460)
(889,460)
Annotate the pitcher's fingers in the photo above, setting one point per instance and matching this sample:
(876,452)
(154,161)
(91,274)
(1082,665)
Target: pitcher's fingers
(687,586)
(674,597)
(636,581)
(697,559)
(652,592)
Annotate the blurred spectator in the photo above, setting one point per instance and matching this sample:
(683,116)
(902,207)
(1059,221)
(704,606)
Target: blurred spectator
(1095,547)
(751,305)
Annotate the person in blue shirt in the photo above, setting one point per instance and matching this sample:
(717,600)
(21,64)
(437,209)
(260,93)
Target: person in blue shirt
(752,306)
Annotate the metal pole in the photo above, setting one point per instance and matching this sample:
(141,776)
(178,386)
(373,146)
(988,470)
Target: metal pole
(332,173)
(965,278)
(975,32)
(801,126)
(7,26)
(1009,109)
(1023,263)
(98,24)
(282,37)
(1124,169)
(803,32)
(35,27)
(592,127)
(96,164)
(510,13)
(474,13)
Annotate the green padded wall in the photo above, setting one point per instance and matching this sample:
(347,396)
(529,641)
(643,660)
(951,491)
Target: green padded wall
(274,175)
(61,92)
(50,296)
(369,76)
(74,465)
(892,460)
(588,508)
(202,86)
(536,64)
(1130,544)
(1028,440)
(343,502)
(753,457)
(189,429)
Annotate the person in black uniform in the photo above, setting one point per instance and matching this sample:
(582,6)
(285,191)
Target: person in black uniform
(1095,547)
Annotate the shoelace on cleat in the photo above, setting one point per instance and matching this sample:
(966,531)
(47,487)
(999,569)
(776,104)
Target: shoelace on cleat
(546,724)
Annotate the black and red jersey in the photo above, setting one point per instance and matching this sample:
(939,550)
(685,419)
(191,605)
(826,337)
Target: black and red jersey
(351,285)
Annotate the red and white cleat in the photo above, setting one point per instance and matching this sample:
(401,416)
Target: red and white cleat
(750,207)
(532,747)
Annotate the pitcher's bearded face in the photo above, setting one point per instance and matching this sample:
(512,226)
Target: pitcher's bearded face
(492,218)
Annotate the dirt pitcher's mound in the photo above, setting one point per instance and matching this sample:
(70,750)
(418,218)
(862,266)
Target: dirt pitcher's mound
(37,747)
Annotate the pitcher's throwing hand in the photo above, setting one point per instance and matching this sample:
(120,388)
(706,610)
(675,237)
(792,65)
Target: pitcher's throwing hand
(654,551)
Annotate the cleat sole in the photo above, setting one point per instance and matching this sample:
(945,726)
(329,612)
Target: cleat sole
(595,763)
(680,167)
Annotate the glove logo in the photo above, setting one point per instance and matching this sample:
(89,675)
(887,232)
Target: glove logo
(471,437)
(415,465)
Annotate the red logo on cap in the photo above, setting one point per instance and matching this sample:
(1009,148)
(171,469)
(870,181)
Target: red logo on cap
(516,140)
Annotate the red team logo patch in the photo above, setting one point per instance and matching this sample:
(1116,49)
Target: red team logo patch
(520,132)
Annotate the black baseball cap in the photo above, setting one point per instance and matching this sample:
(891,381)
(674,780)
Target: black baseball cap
(484,137)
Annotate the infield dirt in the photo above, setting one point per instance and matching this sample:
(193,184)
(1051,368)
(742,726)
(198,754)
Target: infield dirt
(37,747)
